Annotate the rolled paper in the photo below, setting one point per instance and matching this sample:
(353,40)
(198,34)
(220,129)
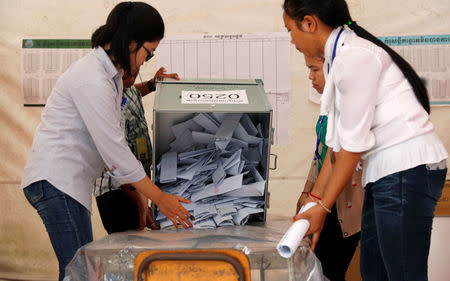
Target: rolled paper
(294,235)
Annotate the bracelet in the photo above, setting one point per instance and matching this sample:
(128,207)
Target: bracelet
(150,86)
(324,207)
(304,192)
(314,196)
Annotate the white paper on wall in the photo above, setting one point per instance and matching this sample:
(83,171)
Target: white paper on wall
(43,61)
(429,55)
(263,56)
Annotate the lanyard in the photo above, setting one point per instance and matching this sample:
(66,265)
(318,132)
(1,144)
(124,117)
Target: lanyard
(319,133)
(334,49)
(316,152)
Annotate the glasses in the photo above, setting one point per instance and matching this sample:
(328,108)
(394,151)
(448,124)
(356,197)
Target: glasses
(149,54)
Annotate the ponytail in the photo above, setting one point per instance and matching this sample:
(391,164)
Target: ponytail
(127,22)
(99,37)
(414,80)
(335,13)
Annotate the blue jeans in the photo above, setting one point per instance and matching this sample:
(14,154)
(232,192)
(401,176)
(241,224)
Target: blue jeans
(68,223)
(396,225)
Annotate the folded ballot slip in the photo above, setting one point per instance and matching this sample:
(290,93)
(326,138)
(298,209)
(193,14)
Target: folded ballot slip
(294,235)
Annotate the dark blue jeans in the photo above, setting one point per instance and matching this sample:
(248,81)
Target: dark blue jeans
(396,225)
(68,223)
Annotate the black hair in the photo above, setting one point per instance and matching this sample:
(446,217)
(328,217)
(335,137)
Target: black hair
(127,22)
(335,13)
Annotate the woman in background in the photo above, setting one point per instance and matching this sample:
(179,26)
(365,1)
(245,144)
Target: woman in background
(122,207)
(341,232)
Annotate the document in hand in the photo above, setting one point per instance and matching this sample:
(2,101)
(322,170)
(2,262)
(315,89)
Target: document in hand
(294,235)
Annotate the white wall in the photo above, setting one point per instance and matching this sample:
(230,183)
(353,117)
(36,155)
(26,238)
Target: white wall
(24,245)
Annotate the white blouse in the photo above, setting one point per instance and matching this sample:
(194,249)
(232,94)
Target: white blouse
(82,130)
(372,108)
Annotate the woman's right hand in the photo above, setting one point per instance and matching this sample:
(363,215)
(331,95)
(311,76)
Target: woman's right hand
(169,204)
(301,202)
(171,207)
(316,216)
(301,199)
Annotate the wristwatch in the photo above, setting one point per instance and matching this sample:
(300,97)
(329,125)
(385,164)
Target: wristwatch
(150,86)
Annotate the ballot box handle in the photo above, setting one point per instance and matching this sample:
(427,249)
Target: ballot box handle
(191,256)
(275,157)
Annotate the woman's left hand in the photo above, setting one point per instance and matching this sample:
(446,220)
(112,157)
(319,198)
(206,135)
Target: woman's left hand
(161,74)
(316,217)
(145,216)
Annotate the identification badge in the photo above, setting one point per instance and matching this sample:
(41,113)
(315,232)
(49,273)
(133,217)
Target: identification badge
(142,149)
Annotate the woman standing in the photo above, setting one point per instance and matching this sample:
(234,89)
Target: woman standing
(82,130)
(377,108)
(341,231)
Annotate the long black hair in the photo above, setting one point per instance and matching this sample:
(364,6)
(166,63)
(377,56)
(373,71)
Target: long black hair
(335,13)
(127,22)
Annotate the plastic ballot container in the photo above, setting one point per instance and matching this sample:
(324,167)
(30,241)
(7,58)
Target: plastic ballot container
(244,253)
(211,144)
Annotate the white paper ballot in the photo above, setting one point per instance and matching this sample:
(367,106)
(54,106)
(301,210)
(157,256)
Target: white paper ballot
(183,143)
(241,134)
(190,125)
(226,129)
(206,122)
(195,153)
(241,217)
(227,185)
(294,236)
(168,167)
(203,138)
(219,174)
(248,125)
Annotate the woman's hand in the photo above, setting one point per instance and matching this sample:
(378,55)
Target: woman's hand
(316,217)
(161,74)
(169,204)
(171,207)
(301,202)
(145,215)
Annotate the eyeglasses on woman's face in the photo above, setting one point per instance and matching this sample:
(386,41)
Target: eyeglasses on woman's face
(150,54)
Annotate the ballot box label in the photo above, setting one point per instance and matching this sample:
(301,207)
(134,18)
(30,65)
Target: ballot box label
(214,97)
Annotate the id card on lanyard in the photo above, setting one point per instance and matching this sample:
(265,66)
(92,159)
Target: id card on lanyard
(142,148)
(321,122)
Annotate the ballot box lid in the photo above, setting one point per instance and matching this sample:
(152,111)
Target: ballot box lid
(228,95)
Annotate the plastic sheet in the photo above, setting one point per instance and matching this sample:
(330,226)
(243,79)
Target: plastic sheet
(112,257)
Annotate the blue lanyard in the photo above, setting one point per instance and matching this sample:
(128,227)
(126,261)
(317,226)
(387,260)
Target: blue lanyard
(124,102)
(334,49)
(316,152)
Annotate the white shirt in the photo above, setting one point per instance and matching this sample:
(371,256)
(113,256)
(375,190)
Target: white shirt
(372,108)
(81,131)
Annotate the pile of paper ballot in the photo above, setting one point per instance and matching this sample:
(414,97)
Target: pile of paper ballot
(216,161)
